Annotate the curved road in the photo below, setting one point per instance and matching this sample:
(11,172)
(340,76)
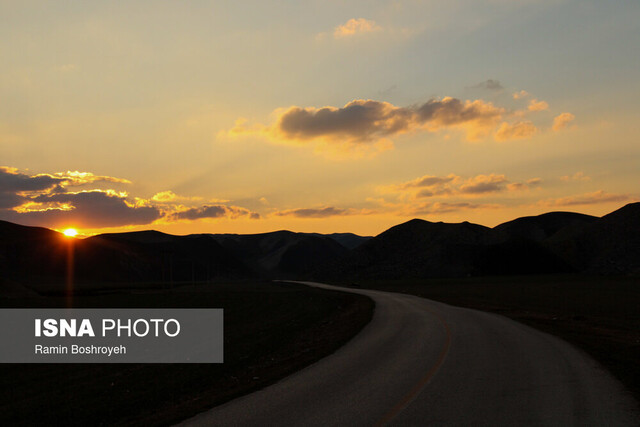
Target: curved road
(423,363)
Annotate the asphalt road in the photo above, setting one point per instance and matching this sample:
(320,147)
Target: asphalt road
(423,363)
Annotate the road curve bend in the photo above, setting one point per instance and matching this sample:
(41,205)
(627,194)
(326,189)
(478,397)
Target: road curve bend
(423,363)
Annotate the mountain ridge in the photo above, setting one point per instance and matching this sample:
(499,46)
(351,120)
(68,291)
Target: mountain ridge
(554,242)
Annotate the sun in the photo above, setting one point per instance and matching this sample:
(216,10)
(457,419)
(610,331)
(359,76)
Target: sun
(70,232)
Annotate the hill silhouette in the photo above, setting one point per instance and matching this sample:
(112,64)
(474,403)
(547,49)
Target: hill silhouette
(610,245)
(555,242)
(33,255)
(541,227)
(283,254)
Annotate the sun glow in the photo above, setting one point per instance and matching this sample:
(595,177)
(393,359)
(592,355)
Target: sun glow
(70,232)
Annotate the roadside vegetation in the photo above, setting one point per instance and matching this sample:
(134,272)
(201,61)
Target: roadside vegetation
(271,330)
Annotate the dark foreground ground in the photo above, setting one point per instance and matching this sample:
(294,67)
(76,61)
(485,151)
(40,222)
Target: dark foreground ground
(600,315)
(271,329)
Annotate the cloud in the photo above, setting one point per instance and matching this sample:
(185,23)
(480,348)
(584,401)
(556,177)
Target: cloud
(355,27)
(535,105)
(164,196)
(14,184)
(211,211)
(45,200)
(561,121)
(18,187)
(445,207)
(489,84)
(521,94)
(324,212)
(594,198)
(49,200)
(76,178)
(429,186)
(518,130)
(482,184)
(86,209)
(365,123)
(169,196)
(428,181)
(524,186)
(578,176)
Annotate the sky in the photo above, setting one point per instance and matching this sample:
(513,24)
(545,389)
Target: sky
(315,116)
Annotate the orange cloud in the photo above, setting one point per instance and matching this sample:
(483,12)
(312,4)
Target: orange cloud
(46,200)
(521,94)
(482,184)
(429,186)
(593,198)
(364,124)
(519,130)
(578,176)
(444,207)
(169,196)
(81,178)
(210,211)
(85,209)
(323,212)
(524,186)
(354,27)
(164,196)
(561,121)
(535,105)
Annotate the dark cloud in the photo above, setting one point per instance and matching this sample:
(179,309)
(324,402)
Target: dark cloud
(10,200)
(367,119)
(452,111)
(46,200)
(212,211)
(13,182)
(429,181)
(594,198)
(314,213)
(91,209)
(446,207)
(489,84)
(529,184)
(453,185)
(362,121)
(446,191)
(482,184)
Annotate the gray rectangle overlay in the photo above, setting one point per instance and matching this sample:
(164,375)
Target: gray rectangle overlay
(200,338)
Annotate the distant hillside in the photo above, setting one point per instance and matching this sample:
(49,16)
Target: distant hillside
(541,227)
(32,255)
(348,240)
(282,254)
(421,249)
(38,255)
(155,256)
(555,242)
(418,249)
(32,252)
(610,245)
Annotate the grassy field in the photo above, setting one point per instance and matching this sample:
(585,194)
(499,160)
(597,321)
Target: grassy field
(600,315)
(271,330)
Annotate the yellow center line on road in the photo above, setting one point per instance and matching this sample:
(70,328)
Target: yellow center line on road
(416,389)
